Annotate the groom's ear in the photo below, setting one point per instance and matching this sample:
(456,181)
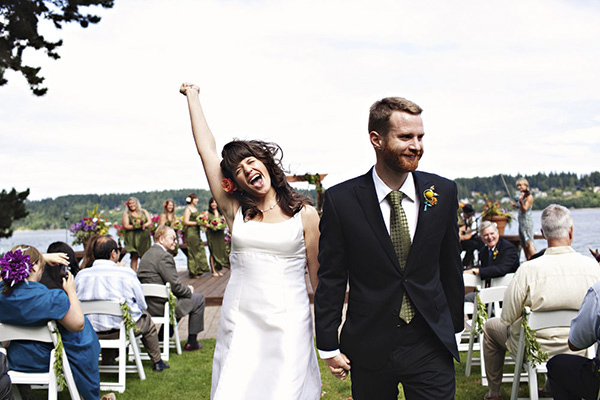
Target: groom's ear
(376,140)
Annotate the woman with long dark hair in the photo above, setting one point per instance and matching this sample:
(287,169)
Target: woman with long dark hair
(265,337)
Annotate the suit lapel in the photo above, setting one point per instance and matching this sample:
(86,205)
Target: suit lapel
(424,221)
(367,198)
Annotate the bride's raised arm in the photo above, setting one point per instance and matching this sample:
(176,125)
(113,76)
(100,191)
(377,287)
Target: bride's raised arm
(207,148)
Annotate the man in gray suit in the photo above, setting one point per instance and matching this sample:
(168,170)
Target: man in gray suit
(158,266)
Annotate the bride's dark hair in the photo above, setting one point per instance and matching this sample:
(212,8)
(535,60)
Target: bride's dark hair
(270,154)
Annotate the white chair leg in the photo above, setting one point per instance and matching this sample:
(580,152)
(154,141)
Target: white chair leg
(533,386)
(177,341)
(136,355)
(470,353)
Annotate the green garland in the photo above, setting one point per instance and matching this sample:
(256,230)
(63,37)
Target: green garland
(129,324)
(58,361)
(533,352)
(172,305)
(480,314)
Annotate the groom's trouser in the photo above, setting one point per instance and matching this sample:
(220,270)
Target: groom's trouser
(419,361)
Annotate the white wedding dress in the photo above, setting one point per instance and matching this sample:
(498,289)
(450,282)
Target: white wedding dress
(265,344)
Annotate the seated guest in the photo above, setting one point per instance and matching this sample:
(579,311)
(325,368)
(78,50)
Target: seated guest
(571,376)
(54,272)
(105,280)
(32,304)
(5,384)
(467,229)
(498,257)
(557,280)
(158,266)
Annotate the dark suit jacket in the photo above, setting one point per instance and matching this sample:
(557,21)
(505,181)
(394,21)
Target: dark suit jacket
(507,260)
(158,266)
(355,245)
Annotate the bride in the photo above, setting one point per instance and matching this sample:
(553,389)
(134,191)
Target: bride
(264,344)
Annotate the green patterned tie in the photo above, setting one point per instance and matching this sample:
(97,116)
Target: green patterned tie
(400,235)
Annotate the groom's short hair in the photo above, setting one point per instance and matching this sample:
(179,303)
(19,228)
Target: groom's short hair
(381,110)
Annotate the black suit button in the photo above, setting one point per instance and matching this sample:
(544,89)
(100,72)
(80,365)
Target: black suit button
(398,326)
(395,312)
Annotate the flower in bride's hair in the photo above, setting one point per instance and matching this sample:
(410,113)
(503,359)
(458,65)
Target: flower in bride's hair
(188,199)
(228,185)
(15,267)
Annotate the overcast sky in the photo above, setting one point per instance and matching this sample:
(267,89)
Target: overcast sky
(506,87)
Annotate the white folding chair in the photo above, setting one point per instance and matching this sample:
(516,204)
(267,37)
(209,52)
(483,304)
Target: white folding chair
(462,338)
(162,291)
(536,320)
(502,280)
(489,297)
(39,379)
(113,307)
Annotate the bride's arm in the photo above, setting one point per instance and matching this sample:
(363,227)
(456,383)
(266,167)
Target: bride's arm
(207,148)
(310,223)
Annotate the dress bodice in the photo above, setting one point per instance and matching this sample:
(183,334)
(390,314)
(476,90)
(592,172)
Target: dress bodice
(281,239)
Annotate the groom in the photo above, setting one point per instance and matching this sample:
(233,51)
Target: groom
(392,235)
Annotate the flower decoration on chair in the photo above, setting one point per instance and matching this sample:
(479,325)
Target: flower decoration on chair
(228,185)
(430,197)
(58,361)
(93,224)
(533,352)
(480,314)
(15,267)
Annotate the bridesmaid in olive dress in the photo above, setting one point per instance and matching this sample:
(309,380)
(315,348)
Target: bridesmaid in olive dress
(215,235)
(137,223)
(168,215)
(197,262)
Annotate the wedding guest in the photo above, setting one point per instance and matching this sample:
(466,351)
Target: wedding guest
(264,344)
(215,235)
(88,255)
(557,280)
(26,302)
(525,218)
(137,223)
(167,217)
(54,272)
(158,266)
(197,261)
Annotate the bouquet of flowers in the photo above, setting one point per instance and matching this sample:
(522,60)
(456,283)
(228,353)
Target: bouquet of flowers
(137,223)
(93,224)
(214,225)
(120,232)
(155,224)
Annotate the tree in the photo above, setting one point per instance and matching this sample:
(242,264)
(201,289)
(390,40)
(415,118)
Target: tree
(19,31)
(12,208)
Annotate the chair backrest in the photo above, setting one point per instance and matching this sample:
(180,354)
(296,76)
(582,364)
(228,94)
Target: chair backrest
(551,319)
(35,333)
(502,280)
(109,307)
(156,290)
(472,280)
(492,297)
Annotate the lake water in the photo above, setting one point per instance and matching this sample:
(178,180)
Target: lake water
(586,233)
(41,239)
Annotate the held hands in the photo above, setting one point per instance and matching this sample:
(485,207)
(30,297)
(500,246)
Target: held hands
(339,366)
(187,88)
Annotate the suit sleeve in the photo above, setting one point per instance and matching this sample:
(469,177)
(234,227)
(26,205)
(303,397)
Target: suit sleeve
(451,271)
(507,262)
(168,273)
(333,276)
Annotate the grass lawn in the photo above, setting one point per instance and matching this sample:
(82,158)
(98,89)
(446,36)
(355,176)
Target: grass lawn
(190,376)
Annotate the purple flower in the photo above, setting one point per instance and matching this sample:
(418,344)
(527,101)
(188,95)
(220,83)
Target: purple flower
(15,267)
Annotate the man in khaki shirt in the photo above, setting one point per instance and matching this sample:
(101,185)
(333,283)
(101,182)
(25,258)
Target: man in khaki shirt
(557,280)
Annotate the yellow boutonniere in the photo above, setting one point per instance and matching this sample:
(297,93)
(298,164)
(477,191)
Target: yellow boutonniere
(430,197)
(494,254)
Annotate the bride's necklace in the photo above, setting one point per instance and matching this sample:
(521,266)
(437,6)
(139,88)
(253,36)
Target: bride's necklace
(270,208)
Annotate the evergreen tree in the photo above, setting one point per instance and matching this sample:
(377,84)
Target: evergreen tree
(12,208)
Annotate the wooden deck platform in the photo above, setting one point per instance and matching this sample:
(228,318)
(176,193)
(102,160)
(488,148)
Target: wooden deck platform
(213,288)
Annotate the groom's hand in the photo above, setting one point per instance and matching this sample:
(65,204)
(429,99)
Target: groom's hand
(339,366)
